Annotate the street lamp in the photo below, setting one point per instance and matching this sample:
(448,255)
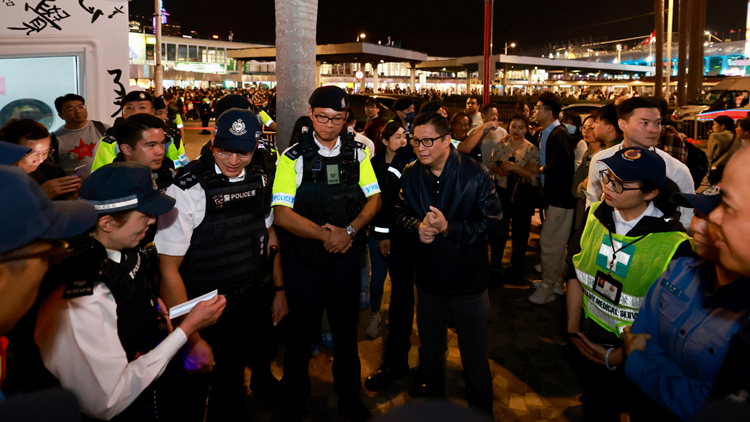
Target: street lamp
(511,45)
(361,37)
(710,35)
(619,51)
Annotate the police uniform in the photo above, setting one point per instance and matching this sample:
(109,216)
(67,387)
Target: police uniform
(100,333)
(107,149)
(324,186)
(220,225)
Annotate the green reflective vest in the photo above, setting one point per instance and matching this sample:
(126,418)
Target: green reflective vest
(636,266)
(107,150)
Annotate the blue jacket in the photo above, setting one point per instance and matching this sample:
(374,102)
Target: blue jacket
(690,323)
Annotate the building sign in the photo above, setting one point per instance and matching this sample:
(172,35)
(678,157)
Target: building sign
(199,67)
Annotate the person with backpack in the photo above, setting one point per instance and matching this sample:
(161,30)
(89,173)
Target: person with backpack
(75,141)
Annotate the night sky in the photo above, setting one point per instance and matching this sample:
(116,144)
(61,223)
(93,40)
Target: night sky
(440,28)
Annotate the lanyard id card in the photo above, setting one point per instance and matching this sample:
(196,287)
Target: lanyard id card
(608,287)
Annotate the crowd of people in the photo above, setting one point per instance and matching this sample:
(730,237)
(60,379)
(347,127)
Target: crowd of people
(139,279)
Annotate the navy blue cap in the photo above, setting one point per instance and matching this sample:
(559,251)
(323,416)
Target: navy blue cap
(10,153)
(635,164)
(331,97)
(231,101)
(159,104)
(703,202)
(28,214)
(123,186)
(237,129)
(135,96)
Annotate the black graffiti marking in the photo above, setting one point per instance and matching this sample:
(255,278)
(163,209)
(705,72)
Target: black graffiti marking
(47,16)
(120,91)
(92,10)
(116,11)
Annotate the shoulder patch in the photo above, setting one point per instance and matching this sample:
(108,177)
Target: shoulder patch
(110,139)
(294,152)
(187,177)
(359,145)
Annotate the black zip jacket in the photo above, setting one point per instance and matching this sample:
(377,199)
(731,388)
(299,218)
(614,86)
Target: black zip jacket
(560,169)
(389,179)
(455,263)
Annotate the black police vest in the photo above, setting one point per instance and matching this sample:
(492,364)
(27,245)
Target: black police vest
(137,314)
(228,249)
(329,193)
(140,327)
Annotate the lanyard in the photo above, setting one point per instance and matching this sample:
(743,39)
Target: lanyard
(614,252)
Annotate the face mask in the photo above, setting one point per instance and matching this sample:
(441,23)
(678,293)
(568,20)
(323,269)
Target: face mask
(571,129)
(410,116)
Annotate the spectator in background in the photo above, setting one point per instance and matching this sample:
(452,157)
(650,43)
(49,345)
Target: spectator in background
(472,109)
(557,168)
(722,144)
(492,133)
(515,161)
(374,121)
(594,145)
(743,130)
(75,141)
(670,140)
(572,122)
(640,121)
(351,121)
(50,176)
(404,108)
(606,128)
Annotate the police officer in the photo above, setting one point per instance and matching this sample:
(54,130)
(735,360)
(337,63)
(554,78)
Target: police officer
(325,193)
(100,332)
(220,237)
(141,139)
(174,129)
(135,102)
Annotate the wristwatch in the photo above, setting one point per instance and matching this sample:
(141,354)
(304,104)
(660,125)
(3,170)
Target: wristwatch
(350,231)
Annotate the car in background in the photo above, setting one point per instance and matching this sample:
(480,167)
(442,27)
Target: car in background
(582,109)
(731,93)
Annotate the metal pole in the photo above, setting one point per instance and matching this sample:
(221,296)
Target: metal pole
(695,71)
(659,62)
(487,41)
(158,69)
(668,70)
(682,53)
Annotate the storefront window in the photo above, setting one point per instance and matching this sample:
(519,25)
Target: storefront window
(202,55)
(192,53)
(171,52)
(182,52)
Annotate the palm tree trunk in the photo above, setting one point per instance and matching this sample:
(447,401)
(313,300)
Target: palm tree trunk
(296,22)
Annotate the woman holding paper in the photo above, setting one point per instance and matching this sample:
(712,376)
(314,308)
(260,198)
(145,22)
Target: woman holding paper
(104,334)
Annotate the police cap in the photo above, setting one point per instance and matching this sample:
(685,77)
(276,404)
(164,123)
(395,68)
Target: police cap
(28,214)
(237,129)
(231,101)
(635,164)
(137,96)
(123,186)
(331,97)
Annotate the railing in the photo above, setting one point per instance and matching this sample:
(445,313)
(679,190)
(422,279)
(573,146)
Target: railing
(695,129)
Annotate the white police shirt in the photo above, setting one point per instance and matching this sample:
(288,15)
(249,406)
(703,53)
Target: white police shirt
(175,229)
(79,345)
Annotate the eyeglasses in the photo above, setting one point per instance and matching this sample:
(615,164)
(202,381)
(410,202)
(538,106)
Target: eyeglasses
(229,152)
(616,184)
(76,108)
(42,155)
(325,119)
(427,142)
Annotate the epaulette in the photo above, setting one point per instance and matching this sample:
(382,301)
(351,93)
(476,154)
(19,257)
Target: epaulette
(294,152)
(188,176)
(109,138)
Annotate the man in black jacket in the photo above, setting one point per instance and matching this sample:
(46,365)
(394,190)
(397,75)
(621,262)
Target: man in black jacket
(448,209)
(557,168)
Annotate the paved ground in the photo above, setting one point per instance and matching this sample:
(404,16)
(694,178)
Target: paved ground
(533,369)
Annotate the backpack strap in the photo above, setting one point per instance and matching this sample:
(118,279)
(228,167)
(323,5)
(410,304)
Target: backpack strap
(99,127)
